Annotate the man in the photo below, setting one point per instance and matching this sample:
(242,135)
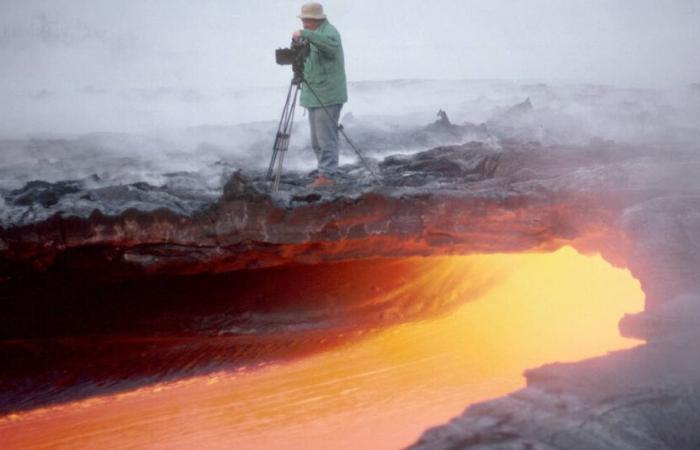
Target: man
(324,90)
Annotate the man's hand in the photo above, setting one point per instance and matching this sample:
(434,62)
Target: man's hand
(296,34)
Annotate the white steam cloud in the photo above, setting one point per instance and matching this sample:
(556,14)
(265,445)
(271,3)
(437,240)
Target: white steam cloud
(79,65)
(120,92)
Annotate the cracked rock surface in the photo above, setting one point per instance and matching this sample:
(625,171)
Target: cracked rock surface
(637,206)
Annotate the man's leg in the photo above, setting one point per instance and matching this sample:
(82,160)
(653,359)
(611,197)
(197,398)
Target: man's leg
(314,133)
(326,128)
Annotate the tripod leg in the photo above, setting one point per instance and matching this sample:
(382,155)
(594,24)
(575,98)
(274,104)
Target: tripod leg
(278,145)
(282,144)
(278,173)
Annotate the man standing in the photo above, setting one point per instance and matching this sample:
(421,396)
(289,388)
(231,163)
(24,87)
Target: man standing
(324,90)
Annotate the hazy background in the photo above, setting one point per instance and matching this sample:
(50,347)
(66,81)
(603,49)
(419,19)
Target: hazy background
(179,93)
(104,65)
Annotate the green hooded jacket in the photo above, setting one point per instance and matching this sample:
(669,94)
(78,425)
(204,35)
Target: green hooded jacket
(324,69)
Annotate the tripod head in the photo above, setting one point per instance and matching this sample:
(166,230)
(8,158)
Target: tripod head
(295,56)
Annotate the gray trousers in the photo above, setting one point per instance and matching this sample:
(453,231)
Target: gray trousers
(324,137)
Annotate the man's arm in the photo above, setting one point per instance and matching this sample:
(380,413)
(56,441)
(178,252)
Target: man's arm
(326,44)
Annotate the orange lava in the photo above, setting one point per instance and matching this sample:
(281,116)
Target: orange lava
(379,392)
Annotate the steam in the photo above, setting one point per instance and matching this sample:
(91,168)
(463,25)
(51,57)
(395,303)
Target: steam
(114,146)
(85,66)
(116,93)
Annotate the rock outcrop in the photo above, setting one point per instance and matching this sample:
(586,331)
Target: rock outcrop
(638,207)
(456,199)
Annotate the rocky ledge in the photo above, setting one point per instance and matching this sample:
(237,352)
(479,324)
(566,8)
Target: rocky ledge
(638,207)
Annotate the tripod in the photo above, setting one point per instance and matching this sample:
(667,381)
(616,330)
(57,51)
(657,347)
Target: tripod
(284,130)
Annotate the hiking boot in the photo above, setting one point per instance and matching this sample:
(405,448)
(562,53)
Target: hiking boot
(321,181)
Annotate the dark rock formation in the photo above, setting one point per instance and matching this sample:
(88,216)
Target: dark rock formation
(468,198)
(451,199)
(444,128)
(42,193)
(638,207)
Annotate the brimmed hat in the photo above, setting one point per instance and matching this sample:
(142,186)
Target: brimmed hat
(312,11)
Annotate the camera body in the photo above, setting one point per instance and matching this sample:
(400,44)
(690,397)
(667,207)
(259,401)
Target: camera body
(295,56)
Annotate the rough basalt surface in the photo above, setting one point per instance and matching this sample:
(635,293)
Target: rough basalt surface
(456,199)
(638,207)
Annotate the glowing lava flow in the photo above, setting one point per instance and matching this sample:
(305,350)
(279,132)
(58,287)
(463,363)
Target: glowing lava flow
(378,392)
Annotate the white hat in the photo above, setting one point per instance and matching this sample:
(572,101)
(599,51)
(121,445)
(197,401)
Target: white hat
(312,11)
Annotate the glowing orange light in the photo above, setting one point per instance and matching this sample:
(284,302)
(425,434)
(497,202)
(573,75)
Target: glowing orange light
(382,391)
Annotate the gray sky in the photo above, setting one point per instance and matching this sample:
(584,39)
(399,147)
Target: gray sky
(77,44)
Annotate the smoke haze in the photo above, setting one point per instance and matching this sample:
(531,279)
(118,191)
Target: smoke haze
(80,66)
(113,93)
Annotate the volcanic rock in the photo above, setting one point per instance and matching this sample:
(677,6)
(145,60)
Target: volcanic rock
(637,206)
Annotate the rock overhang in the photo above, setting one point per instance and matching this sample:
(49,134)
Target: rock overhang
(469,198)
(635,206)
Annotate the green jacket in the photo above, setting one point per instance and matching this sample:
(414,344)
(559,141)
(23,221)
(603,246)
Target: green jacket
(324,69)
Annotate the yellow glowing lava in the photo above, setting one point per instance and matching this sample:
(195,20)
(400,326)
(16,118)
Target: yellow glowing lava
(380,392)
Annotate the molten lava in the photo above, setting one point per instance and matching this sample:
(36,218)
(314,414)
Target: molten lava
(505,314)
